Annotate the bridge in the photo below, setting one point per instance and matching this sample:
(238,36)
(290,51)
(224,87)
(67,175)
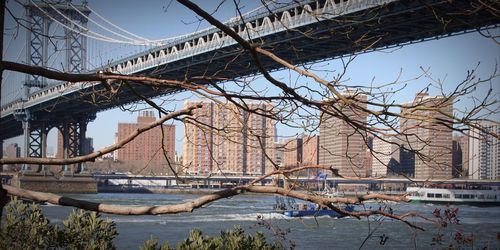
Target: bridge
(69,106)
(217,181)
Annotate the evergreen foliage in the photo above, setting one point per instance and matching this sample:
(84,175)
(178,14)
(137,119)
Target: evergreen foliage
(25,227)
(235,239)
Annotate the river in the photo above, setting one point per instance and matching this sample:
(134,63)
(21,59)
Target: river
(306,233)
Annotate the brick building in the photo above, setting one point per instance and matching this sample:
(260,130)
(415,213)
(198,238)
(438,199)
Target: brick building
(228,140)
(301,151)
(147,147)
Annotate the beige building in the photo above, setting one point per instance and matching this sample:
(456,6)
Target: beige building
(385,156)
(147,147)
(198,139)
(342,146)
(484,152)
(425,121)
(235,142)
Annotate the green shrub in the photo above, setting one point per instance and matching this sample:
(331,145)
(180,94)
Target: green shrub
(228,240)
(25,227)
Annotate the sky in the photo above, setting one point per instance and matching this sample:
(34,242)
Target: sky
(447,59)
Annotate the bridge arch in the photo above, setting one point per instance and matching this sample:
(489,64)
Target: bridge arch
(306,10)
(173,50)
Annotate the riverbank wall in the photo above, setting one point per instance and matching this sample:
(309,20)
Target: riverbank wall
(50,183)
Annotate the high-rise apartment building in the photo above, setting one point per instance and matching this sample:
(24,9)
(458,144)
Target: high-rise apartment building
(259,136)
(386,156)
(147,147)
(198,138)
(484,152)
(427,127)
(342,146)
(221,138)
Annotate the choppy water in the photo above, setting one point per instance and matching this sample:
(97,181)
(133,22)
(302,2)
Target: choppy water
(307,233)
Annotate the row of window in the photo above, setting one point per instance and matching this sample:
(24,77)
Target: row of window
(462,196)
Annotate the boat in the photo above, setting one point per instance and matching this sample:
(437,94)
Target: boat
(292,209)
(477,195)
(316,212)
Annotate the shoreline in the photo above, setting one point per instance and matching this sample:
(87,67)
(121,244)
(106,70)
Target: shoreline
(164,191)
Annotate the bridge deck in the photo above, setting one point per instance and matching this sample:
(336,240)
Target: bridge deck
(391,23)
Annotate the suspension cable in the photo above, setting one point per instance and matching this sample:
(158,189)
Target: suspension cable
(101,26)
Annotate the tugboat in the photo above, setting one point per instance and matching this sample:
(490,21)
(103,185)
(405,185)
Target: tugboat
(291,209)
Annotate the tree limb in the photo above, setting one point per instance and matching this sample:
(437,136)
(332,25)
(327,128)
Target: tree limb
(92,156)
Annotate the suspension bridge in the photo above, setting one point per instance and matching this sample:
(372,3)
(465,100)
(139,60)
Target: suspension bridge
(300,32)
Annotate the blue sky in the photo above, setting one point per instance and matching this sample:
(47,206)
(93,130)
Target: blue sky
(447,59)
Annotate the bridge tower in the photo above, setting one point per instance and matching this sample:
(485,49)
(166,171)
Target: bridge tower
(40,15)
(73,18)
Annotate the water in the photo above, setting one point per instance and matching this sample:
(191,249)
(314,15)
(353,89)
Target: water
(307,233)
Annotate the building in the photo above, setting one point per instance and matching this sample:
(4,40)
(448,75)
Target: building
(301,151)
(146,149)
(12,151)
(484,152)
(198,139)
(258,137)
(310,150)
(293,153)
(426,127)
(386,156)
(279,152)
(342,146)
(87,147)
(222,138)
(460,156)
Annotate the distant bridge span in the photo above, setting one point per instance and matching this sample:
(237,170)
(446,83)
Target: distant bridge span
(246,179)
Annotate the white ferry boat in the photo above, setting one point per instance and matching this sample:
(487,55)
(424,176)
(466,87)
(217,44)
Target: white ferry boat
(478,195)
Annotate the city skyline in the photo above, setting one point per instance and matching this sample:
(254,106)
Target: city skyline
(451,57)
(221,145)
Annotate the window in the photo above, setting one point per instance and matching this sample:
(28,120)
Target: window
(430,195)
(446,196)
(439,196)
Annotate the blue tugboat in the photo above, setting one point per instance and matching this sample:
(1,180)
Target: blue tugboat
(292,209)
